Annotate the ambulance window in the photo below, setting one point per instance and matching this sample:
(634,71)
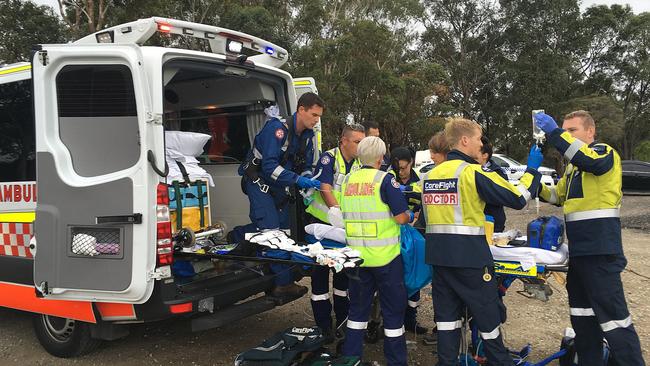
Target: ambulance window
(17,140)
(98,120)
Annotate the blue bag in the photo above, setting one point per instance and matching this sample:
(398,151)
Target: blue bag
(545,232)
(417,274)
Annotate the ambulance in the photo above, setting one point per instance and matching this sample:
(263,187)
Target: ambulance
(83,152)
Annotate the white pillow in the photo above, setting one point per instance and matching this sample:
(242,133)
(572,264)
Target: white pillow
(187,143)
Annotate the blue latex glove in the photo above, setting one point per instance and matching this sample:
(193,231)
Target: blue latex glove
(411,216)
(402,187)
(306,183)
(545,122)
(535,157)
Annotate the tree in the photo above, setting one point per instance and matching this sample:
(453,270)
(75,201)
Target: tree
(35,25)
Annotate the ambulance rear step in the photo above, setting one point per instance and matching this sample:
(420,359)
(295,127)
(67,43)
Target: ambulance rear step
(233,313)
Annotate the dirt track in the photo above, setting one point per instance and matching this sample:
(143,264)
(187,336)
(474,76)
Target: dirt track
(171,343)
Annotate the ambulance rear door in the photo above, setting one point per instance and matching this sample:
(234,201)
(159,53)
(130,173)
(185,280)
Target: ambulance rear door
(96,189)
(302,86)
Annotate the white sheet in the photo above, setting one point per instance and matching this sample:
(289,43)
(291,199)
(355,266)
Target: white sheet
(529,257)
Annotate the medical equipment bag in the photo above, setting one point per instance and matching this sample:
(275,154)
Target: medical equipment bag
(545,232)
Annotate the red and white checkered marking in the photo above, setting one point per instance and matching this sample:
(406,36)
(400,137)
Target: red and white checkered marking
(15,239)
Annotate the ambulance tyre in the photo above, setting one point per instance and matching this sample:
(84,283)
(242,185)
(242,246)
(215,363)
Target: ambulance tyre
(64,337)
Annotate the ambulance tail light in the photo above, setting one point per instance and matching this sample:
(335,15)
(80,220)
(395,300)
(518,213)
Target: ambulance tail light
(164,244)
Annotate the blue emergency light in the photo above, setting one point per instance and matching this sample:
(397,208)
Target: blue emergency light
(269,50)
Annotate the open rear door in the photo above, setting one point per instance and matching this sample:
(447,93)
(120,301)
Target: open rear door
(96,192)
(302,86)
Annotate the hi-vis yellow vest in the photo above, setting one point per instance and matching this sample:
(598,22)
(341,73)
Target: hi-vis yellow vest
(370,227)
(318,208)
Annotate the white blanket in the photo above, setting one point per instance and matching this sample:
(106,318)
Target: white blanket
(529,257)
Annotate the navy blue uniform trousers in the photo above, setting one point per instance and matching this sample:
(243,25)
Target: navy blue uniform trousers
(388,281)
(453,288)
(270,211)
(598,309)
(320,299)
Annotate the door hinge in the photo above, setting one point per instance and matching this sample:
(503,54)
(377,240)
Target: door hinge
(155,118)
(160,273)
(42,289)
(43,58)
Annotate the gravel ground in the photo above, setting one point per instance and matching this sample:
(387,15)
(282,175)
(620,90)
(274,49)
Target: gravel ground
(529,321)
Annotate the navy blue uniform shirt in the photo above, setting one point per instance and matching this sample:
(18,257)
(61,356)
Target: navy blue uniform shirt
(269,145)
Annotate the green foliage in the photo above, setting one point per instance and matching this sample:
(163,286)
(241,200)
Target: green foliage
(24,24)
(642,151)
(409,64)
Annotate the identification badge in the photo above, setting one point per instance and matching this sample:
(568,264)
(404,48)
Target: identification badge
(440,192)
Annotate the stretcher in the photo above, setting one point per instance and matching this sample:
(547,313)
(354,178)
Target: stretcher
(531,266)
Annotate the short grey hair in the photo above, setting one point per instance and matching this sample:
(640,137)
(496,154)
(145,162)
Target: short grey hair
(370,150)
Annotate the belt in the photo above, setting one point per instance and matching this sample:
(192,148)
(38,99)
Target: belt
(593,214)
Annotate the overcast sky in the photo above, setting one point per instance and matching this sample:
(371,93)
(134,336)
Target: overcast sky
(638,6)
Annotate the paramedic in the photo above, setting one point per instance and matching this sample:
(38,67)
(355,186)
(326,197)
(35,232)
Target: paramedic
(372,129)
(282,155)
(438,148)
(402,169)
(373,209)
(454,195)
(590,192)
(332,167)
(496,212)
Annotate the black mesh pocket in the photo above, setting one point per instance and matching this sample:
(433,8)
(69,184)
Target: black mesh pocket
(92,242)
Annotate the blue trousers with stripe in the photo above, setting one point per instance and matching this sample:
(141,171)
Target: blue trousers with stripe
(453,289)
(388,281)
(598,310)
(320,299)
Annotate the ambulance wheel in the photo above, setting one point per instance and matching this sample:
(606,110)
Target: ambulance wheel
(64,337)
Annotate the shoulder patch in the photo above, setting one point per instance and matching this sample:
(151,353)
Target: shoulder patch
(325,159)
(486,169)
(393,182)
(601,149)
(279,133)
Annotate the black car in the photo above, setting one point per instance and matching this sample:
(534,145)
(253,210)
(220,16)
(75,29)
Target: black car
(636,176)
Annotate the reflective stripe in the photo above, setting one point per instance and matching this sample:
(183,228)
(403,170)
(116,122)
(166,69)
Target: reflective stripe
(18,217)
(592,214)
(458,209)
(357,325)
(614,324)
(582,312)
(449,325)
(392,333)
(276,172)
(553,198)
(372,242)
(257,153)
(491,335)
(321,297)
(524,191)
(366,215)
(15,69)
(573,149)
(455,229)
(341,293)
(319,206)
(413,304)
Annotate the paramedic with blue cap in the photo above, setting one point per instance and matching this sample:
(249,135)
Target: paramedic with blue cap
(590,193)
(454,195)
(282,155)
(373,209)
(332,167)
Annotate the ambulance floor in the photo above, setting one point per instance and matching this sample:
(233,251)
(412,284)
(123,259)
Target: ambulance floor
(172,343)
